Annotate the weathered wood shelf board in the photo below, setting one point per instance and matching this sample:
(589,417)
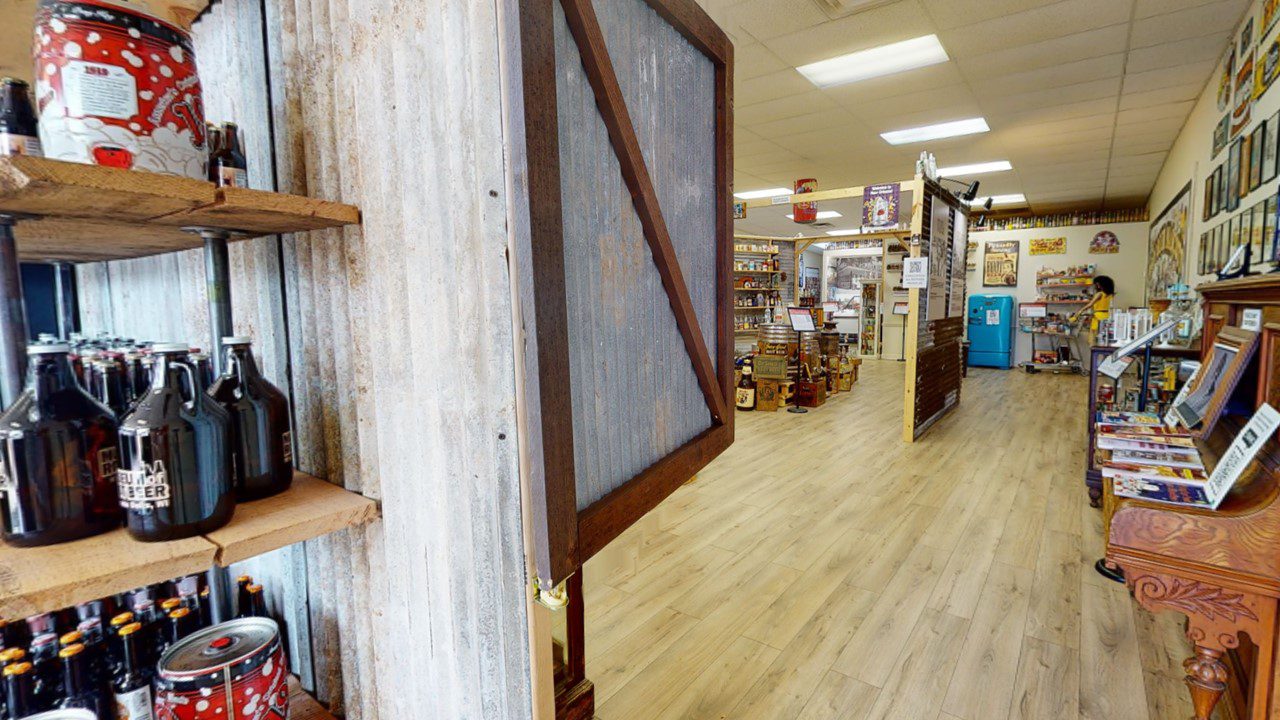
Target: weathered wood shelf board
(36,580)
(83,213)
(304,707)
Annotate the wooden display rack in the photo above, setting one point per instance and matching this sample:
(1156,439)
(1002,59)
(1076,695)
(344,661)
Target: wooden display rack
(67,212)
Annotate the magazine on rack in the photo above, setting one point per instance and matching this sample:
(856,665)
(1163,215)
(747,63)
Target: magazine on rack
(1179,459)
(1153,434)
(1107,443)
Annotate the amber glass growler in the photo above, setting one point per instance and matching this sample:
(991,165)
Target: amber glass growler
(175,454)
(58,465)
(261,441)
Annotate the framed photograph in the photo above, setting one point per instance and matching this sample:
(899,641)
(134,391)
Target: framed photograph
(1233,174)
(1220,241)
(1257,142)
(1243,226)
(1217,380)
(1222,131)
(1221,174)
(1204,242)
(1211,258)
(1206,199)
(1215,180)
(1256,225)
(1269,154)
(1246,159)
(1269,229)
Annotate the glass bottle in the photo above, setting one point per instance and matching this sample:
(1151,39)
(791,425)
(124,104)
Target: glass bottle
(227,164)
(57,457)
(175,471)
(20,690)
(132,683)
(746,395)
(262,442)
(78,688)
(18,128)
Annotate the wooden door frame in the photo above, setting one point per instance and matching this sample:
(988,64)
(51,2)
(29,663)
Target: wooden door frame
(565,538)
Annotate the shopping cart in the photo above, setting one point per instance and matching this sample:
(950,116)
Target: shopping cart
(1067,348)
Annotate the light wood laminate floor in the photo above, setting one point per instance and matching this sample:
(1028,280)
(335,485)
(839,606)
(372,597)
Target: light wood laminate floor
(822,568)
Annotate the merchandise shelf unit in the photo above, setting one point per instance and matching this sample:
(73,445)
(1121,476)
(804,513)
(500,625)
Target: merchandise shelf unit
(67,212)
(1049,286)
(765,254)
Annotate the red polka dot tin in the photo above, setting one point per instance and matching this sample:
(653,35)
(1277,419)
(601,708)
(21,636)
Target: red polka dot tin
(117,86)
(233,671)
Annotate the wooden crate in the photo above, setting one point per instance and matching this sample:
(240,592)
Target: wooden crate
(811,394)
(768,395)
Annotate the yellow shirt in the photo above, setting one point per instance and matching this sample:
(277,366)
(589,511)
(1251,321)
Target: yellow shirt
(1101,310)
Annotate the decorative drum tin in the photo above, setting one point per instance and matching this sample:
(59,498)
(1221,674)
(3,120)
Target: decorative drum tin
(117,86)
(233,671)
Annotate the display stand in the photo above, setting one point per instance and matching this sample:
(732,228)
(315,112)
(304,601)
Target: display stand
(57,211)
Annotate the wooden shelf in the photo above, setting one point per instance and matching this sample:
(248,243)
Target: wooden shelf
(304,707)
(737,289)
(760,272)
(757,307)
(36,580)
(86,213)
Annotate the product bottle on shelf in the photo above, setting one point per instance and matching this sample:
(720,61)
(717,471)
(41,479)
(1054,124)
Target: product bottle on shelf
(132,683)
(20,690)
(257,602)
(227,164)
(175,475)
(746,395)
(19,133)
(47,680)
(261,440)
(58,466)
(78,690)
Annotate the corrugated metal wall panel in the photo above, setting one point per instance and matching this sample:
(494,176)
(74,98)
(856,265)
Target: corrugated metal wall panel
(632,407)
(399,337)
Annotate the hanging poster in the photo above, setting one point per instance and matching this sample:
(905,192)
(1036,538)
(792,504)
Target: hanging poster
(1225,78)
(1221,134)
(880,205)
(739,210)
(1246,36)
(1000,263)
(1048,246)
(1243,110)
(1104,243)
(1268,68)
(1167,245)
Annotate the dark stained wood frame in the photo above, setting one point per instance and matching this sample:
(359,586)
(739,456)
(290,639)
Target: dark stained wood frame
(565,537)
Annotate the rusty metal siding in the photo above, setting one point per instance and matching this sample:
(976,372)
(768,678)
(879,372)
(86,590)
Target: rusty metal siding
(635,396)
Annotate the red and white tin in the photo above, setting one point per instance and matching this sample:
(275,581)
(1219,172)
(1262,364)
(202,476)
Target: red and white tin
(233,671)
(805,212)
(117,86)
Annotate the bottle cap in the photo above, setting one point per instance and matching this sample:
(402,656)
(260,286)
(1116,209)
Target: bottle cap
(168,347)
(12,654)
(20,668)
(237,340)
(170,604)
(71,650)
(123,618)
(180,613)
(130,629)
(48,349)
(71,638)
(255,588)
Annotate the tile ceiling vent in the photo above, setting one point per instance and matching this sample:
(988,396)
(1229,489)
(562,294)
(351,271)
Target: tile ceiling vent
(840,8)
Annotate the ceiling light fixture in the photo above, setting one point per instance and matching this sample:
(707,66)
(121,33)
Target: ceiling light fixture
(822,215)
(975,169)
(876,62)
(955,128)
(757,194)
(1000,200)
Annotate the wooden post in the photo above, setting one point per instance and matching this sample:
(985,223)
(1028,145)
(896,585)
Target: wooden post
(911,322)
(13,318)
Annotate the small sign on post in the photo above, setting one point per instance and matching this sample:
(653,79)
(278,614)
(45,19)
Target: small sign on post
(915,272)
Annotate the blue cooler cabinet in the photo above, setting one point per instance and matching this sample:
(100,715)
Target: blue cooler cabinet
(991,331)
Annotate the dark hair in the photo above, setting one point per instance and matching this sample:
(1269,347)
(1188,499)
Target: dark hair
(1105,284)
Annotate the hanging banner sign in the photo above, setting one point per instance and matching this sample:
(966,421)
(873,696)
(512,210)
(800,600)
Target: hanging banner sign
(880,205)
(805,212)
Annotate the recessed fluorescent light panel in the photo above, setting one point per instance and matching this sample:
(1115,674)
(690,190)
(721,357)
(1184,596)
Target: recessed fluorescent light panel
(757,194)
(822,215)
(976,168)
(1001,200)
(855,231)
(876,62)
(956,128)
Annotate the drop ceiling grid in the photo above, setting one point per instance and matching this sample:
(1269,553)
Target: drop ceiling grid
(1076,91)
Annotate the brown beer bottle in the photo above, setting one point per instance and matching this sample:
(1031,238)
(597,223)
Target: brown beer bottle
(227,164)
(20,690)
(18,127)
(257,602)
(260,436)
(132,683)
(746,395)
(79,689)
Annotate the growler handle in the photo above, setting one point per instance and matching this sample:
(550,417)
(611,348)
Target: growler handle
(191,383)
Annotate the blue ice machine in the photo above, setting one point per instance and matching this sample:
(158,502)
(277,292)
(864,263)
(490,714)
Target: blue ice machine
(991,331)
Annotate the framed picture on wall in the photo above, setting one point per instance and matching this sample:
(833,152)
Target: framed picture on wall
(1221,175)
(1206,199)
(1220,246)
(1215,181)
(1270,156)
(1269,229)
(1256,223)
(1233,174)
(1204,241)
(1244,226)
(1246,158)
(1257,142)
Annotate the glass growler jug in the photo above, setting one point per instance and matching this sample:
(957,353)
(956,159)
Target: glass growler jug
(175,454)
(58,465)
(261,442)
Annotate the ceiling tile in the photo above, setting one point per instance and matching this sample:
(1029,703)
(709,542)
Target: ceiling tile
(934,77)
(1147,8)
(835,117)
(1187,24)
(753,60)
(773,86)
(1036,25)
(811,101)
(996,59)
(958,13)
(871,28)
(1156,112)
(765,19)
(1097,68)
(1150,98)
(1195,74)
(1095,90)
(1206,47)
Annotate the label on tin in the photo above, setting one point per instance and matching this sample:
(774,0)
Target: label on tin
(146,489)
(99,90)
(135,705)
(233,177)
(287,440)
(11,144)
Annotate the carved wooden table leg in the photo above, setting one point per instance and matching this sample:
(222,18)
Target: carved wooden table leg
(1207,680)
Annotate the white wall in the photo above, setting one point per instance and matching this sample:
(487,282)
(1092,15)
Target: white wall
(1189,159)
(1126,267)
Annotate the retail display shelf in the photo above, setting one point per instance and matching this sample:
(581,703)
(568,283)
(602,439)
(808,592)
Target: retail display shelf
(79,213)
(304,707)
(754,307)
(1062,286)
(760,272)
(747,289)
(43,579)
